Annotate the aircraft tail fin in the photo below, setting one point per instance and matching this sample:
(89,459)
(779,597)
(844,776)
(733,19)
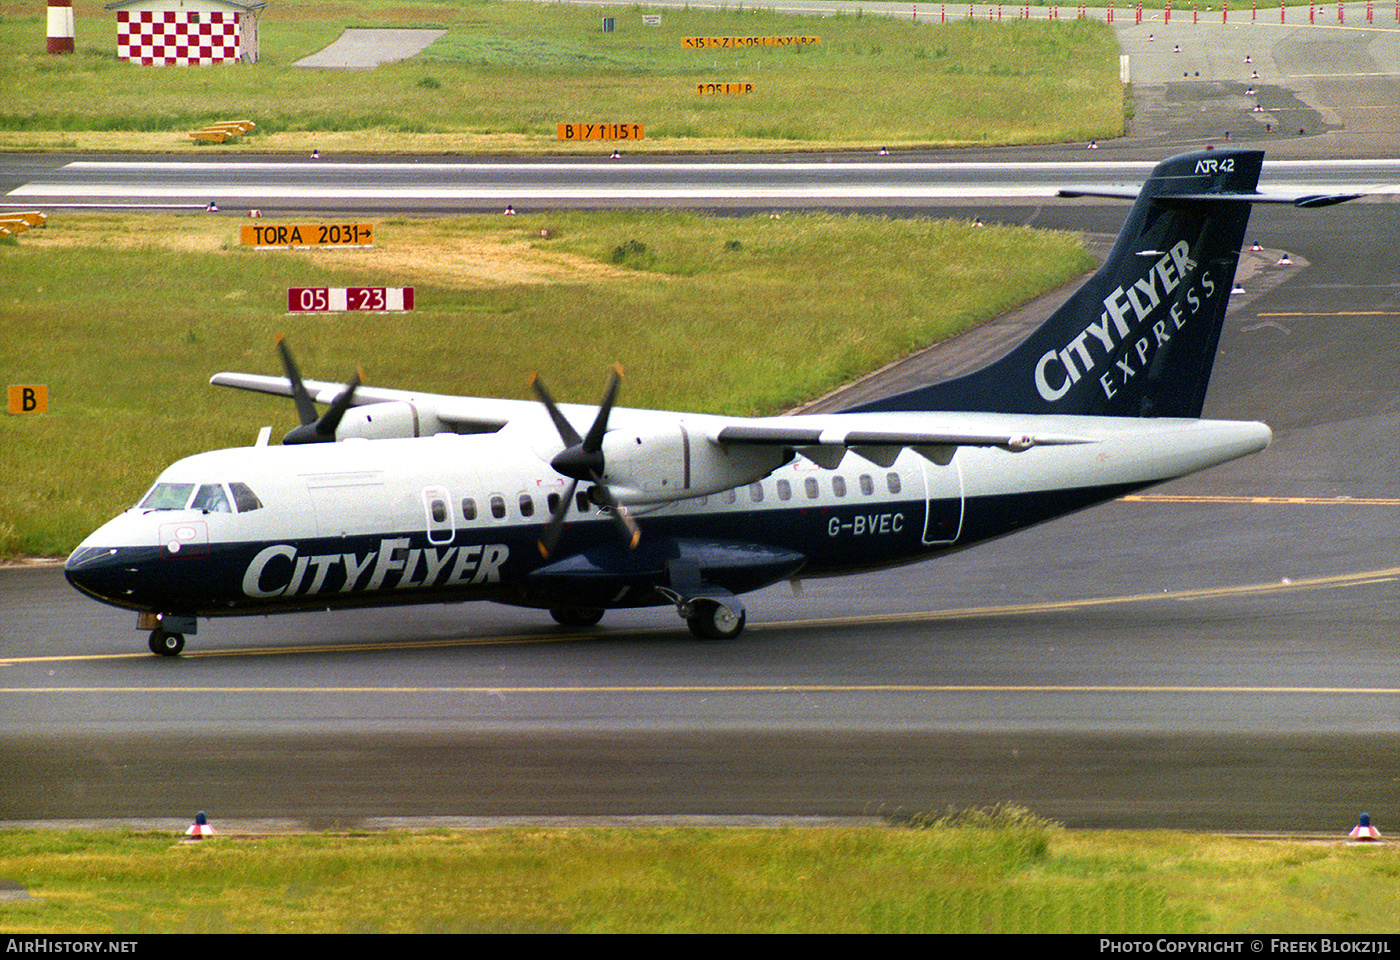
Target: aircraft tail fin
(1138,339)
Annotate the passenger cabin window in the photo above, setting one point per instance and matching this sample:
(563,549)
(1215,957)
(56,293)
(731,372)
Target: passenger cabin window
(498,506)
(892,481)
(527,505)
(838,486)
(469,509)
(582,501)
(756,492)
(811,485)
(867,485)
(784,490)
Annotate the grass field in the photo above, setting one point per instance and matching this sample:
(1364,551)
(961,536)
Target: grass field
(1005,871)
(126,317)
(506,73)
(495,304)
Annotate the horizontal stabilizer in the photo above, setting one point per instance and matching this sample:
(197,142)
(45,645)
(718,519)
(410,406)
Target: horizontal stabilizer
(1305,200)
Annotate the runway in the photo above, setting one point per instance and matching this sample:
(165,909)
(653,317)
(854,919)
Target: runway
(365,185)
(1217,653)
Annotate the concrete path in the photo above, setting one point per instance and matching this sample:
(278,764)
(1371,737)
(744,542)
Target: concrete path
(366,49)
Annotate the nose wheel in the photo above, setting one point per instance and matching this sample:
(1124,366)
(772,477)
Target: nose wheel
(166,644)
(167,631)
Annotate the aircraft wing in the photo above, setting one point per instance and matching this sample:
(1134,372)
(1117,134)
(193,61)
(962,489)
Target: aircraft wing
(463,414)
(824,439)
(806,434)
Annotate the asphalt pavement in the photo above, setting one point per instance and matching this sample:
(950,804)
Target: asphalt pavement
(1254,691)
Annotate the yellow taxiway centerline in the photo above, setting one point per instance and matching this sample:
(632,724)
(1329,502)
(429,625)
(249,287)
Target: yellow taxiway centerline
(1337,581)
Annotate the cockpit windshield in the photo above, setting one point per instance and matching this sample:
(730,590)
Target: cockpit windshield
(209,497)
(168,496)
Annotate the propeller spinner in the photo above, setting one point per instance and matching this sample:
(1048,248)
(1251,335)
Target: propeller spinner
(582,460)
(314,428)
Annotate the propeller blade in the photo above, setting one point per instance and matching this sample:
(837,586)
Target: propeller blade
(306,410)
(601,495)
(594,441)
(323,430)
(550,537)
(566,429)
(326,426)
(630,531)
(582,459)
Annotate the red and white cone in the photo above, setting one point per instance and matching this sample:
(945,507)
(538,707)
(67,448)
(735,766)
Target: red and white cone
(1363,831)
(60,26)
(200,828)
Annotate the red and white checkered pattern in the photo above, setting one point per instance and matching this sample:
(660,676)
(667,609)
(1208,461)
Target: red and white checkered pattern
(178,38)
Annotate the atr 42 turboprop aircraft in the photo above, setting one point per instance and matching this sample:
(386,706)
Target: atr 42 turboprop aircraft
(394,497)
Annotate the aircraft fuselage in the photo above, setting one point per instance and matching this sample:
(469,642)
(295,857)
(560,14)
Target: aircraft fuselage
(453,518)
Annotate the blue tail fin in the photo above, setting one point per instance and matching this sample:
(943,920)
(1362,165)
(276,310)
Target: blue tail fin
(1138,339)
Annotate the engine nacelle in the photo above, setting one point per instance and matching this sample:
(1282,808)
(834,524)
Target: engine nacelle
(392,420)
(675,465)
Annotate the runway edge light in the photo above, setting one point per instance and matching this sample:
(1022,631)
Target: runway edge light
(1363,831)
(200,828)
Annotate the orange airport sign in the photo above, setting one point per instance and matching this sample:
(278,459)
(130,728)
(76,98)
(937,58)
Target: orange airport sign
(738,43)
(601,131)
(308,235)
(29,398)
(724,88)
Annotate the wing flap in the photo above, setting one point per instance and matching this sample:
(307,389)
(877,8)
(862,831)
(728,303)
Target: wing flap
(799,437)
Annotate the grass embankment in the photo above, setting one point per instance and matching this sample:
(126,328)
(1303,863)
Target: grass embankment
(1007,872)
(506,74)
(126,317)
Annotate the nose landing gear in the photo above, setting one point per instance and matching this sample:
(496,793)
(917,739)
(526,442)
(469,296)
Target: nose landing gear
(167,632)
(166,644)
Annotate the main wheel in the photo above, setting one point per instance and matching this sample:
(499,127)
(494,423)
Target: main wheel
(166,644)
(712,620)
(577,616)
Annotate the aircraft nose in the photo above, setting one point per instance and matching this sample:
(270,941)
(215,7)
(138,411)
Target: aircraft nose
(100,572)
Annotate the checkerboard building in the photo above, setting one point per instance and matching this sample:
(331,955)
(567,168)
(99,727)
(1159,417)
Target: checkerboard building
(186,33)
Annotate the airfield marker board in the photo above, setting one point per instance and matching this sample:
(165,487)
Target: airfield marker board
(724,88)
(346,299)
(28,398)
(738,43)
(273,236)
(601,131)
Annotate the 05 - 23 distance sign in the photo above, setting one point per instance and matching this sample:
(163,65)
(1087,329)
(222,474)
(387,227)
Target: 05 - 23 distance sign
(344,299)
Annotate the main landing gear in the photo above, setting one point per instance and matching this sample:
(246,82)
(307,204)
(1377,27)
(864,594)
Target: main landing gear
(708,618)
(712,620)
(577,616)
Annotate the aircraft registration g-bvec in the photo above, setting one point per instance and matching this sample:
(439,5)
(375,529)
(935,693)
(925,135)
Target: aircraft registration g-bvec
(395,497)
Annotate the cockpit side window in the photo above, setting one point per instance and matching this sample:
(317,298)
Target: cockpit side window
(244,498)
(212,499)
(168,496)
